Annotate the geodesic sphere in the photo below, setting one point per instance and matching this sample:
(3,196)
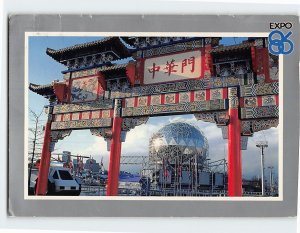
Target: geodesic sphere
(178,139)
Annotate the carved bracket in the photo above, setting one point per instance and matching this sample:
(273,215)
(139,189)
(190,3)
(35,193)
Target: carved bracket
(130,123)
(250,127)
(59,134)
(106,133)
(220,118)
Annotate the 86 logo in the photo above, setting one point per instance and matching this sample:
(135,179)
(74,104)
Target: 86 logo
(280,43)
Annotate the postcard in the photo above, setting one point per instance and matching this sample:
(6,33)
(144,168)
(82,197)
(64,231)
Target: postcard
(139,120)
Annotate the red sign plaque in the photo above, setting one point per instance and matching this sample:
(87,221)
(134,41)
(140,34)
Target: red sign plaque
(175,67)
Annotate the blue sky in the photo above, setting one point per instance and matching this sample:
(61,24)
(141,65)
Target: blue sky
(43,70)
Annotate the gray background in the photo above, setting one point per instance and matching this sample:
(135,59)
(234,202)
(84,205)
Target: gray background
(19,207)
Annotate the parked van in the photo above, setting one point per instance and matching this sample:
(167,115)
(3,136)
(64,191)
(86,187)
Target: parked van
(60,182)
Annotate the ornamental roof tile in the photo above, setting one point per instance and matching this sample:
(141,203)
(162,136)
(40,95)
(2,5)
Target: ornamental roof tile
(113,67)
(78,50)
(44,90)
(230,48)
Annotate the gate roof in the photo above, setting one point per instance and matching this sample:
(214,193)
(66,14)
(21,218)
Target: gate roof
(106,44)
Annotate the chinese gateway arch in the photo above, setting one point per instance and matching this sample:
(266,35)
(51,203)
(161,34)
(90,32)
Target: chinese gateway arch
(114,84)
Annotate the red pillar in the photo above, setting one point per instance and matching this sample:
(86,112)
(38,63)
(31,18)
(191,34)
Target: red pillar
(115,152)
(45,160)
(234,146)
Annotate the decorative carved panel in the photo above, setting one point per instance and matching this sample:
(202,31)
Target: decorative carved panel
(59,134)
(106,133)
(252,126)
(260,112)
(220,118)
(130,123)
(82,124)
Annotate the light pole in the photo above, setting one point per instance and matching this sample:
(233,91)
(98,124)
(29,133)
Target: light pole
(196,174)
(271,179)
(212,182)
(262,145)
(224,171)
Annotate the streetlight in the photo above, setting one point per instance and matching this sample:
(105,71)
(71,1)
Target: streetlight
(271,178)
(262,145)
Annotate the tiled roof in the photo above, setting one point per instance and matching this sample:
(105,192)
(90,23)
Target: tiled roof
(222,48)
(44,90)
(113,67)
(106,44)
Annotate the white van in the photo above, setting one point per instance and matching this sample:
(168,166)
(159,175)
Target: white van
(61,182)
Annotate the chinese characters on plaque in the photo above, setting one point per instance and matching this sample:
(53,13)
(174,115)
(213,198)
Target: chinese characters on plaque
(173,67)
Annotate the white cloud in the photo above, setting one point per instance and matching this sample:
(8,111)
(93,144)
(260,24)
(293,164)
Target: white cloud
(137,139)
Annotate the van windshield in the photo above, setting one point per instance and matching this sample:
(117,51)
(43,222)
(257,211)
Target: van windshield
(65,175)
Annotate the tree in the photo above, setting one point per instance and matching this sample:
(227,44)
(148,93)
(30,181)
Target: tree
(35,138)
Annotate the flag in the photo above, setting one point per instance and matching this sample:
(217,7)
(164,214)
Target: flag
(165,167)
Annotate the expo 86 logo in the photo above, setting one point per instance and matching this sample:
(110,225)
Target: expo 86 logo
(280,43)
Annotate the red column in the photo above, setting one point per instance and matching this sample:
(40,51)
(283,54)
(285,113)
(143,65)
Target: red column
(45,160)
(234,146)
(115,152)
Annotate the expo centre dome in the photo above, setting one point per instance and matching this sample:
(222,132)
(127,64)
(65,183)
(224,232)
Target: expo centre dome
(178,139)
